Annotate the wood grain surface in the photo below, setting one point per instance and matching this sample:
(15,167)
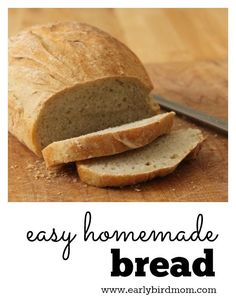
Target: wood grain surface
(156,35)
(185,52)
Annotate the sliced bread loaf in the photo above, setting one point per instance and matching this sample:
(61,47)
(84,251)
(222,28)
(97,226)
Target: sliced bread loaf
(159,158)
(108,141)
(68,79)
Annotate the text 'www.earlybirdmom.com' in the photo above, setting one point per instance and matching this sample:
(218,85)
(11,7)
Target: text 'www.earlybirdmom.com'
(158,290)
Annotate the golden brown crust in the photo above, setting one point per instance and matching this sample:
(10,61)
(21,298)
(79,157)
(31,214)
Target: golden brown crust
(47,59)
(107,143)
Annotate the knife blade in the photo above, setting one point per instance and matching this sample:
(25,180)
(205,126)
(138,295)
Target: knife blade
(193,114)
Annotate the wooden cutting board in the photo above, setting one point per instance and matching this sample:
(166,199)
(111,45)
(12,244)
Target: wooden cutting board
(201,85)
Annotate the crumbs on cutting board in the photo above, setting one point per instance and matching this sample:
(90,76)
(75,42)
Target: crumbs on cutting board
(14,167)
(137,188)
(38,170)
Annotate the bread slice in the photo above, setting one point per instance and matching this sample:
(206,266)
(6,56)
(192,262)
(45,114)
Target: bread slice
(109,141)
(159,158)
(68,79)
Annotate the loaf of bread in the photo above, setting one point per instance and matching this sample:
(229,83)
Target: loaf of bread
(159,158)
(69,79)
(108,141)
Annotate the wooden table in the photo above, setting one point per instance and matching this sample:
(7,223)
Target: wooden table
(156,35)
(185,52)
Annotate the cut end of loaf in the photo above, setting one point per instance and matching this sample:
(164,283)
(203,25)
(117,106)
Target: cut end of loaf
(92,107)
(159,158)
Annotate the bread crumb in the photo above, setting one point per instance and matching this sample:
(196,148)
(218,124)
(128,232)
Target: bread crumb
(74,180)
(37,170)
(29,166)
(59,193)
(137,188)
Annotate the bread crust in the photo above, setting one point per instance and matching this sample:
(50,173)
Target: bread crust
(49,59)
(90,177)
(108,142)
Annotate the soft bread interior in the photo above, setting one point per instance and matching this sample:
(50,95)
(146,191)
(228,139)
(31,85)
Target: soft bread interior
(165,152)
(92,107)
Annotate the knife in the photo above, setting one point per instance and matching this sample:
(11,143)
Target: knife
(193,114)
